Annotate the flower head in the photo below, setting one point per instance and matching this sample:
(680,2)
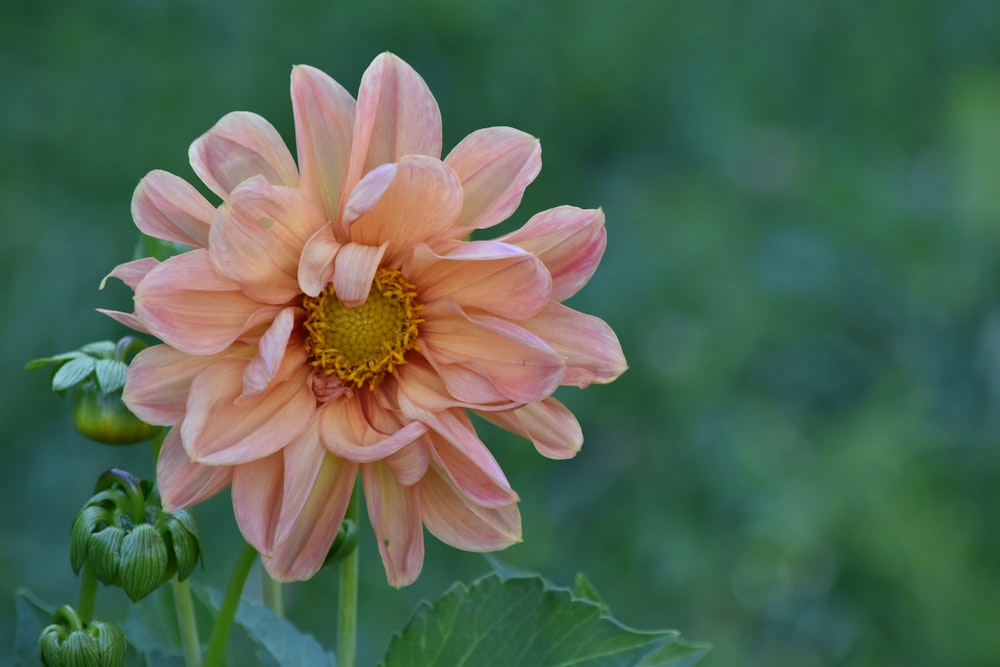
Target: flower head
(332,316)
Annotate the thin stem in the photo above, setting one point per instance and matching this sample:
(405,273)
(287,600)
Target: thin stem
(186,622)
(88,594)
(274,593)
(347,616)
(227,612)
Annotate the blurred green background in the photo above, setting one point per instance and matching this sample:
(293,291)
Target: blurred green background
(803,205)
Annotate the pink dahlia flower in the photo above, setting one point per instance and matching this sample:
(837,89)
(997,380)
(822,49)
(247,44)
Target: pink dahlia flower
(332,316)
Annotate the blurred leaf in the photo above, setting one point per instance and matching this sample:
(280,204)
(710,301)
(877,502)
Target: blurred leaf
(100,348)
(524,621)
(72,372)
(110,374)
(33,616)
(584,589)
(45,361)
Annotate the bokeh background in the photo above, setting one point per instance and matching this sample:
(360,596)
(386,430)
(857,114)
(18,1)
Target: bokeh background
(803,204)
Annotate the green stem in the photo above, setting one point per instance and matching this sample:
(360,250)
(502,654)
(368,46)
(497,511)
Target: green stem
(347,616)
(88,594)
(227,612)
(187,622)
(274,594)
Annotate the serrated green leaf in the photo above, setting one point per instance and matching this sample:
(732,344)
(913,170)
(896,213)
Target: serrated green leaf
(476,626)
(100,348)
(110,374)
(59,358)
(585,590)
(32,615)
(72,372)
(278,641)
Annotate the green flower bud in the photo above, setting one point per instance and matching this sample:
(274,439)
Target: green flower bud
(180,530)
(91,519)
(143,561)
(344,543)
(103,551)
(104,417)
(68,643)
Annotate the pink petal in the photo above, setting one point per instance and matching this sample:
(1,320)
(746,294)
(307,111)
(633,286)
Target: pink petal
(520,365)
(569,240)
(347,433)
(132,273)
(493,276)
(409,464)
(396,116)
(495,165)
(258,235)
(316,264)
(455,520)
(324,128)
(458,451)
(589,346)
(240,146)
(464,385)
(366,194)
(168,207)
(394,512)
(422,200)
(263,368)
(182,482)
(218,431)
(186,304)
(354,270)
(158,381)
(127,319)
(318,487)
(257,499)
(548,424)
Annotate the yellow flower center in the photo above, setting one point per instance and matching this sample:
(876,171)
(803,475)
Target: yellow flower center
(362,344)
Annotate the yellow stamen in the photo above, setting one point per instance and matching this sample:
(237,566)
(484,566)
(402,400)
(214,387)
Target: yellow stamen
(363,344)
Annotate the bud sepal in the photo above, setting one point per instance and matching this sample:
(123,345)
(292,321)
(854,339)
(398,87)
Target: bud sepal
(68,642)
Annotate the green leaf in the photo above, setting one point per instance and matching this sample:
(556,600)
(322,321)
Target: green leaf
(32,615)
(72,372)
(526,622)
(59,358)
(584,589)
(103,349)
(278,641)
(110,374)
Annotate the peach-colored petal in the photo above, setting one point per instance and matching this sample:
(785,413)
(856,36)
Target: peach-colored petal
(257,238)
(242,145)
(548,424)
(354,270)
(317,489)
(569,240)
(457,521)
(168,207)
(127,319)
(183,483)
(132,273)
(394,512)
(499,277)
(316,263)
(447,386)
(186,304)
(257,499)
(396,116)
(263,368)
(324,128)
(347,433)
(218,431)
(423,199)
(409,464)
(495,165)
(365,195)
(520,365)
(589,346)
(158,381)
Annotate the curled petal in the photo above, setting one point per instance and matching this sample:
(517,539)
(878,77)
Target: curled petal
(240,146)
(423,199)
(588,345)
(159,379)
(168,207)
(548,424)
(495,165)
(263,368)
(182,482)
(257,499)
(347,433)
(219,431)
(520,365)
(409,464)
(316,264)
(396,116)
(258,235)
(499,277)
(132,273)
(455,520)
(447,386)
(354,270)
(126,319)
(186,304)
(394,512)
(324,127)
(569,240)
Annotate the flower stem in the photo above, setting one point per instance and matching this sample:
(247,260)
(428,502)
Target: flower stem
(227,611)
(347,616)
(274,594)
(186,622)
(88,594)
